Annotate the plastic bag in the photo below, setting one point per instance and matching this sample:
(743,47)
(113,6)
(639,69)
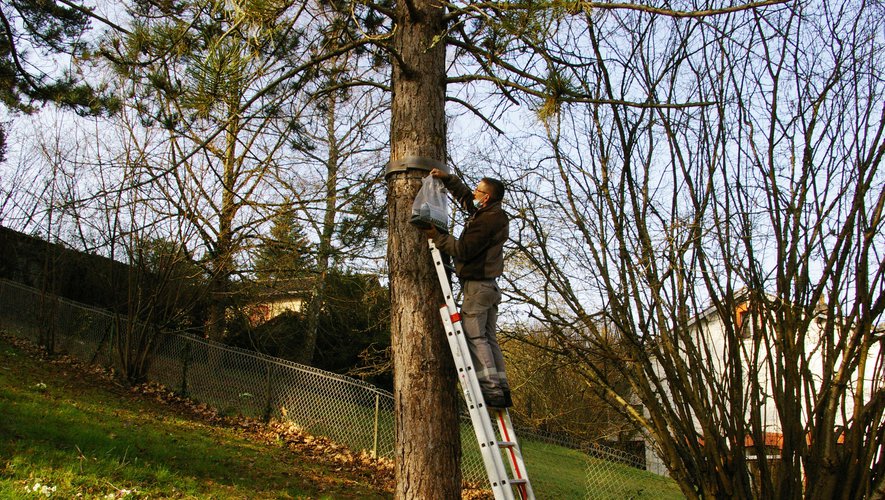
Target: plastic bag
(431,205)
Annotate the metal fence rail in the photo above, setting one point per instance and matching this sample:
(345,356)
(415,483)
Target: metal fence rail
(239,382)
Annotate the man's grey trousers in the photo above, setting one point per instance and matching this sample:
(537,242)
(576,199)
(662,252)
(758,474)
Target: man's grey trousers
(479,316)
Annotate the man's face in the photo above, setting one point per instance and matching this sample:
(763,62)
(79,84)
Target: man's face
(481,194)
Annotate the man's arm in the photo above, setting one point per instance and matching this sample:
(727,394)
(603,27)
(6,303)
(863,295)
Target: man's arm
(474,240)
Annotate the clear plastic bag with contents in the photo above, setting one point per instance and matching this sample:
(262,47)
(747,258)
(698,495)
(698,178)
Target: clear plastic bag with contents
(431,205)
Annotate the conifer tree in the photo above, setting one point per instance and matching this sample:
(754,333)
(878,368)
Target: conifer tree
(30,33)
(286,253)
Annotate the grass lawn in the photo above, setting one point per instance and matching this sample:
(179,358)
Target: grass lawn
(69,434)
(558,472)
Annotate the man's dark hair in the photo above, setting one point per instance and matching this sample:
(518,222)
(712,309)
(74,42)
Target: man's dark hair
(496,188)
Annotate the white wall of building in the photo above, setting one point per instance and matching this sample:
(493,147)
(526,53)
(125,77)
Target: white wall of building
(756,365)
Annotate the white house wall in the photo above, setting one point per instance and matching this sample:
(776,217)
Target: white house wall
(712,330)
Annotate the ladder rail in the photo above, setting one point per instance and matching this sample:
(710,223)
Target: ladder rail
(481,415)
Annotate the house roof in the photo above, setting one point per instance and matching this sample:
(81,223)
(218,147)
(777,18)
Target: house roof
(279,289)
(775,440)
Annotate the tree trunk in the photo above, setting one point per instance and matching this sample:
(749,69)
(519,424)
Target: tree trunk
(324,249)
(428,450)
(222,259)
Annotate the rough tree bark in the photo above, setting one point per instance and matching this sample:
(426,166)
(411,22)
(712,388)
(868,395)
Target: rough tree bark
(427,441)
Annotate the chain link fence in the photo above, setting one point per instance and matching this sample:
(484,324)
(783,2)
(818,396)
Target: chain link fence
(239,382)
(614,474)
(231,380)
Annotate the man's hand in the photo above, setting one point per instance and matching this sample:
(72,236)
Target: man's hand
(439,174)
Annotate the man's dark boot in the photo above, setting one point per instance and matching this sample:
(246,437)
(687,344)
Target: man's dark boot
(502,401)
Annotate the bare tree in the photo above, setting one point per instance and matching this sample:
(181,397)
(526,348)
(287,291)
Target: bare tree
(100,205)
(219,163)
(552,394)
(656,218)
(336,196)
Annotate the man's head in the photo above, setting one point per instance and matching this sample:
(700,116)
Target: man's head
(488,191)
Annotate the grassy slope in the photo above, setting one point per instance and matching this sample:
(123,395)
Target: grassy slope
(90,438)
(87,436)
(558,472)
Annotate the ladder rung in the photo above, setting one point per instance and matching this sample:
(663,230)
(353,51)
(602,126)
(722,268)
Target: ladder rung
(517,482)
(506,444)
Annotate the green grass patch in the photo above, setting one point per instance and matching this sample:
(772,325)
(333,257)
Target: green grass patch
(65,436)
(558,472)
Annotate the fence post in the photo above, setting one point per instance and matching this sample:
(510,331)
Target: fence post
(105,335)
(268,391)
(375,433)
(185,364)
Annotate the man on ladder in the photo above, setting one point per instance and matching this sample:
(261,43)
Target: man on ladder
(479,261)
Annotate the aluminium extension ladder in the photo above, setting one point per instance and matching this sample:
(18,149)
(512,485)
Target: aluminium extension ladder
(489,445)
